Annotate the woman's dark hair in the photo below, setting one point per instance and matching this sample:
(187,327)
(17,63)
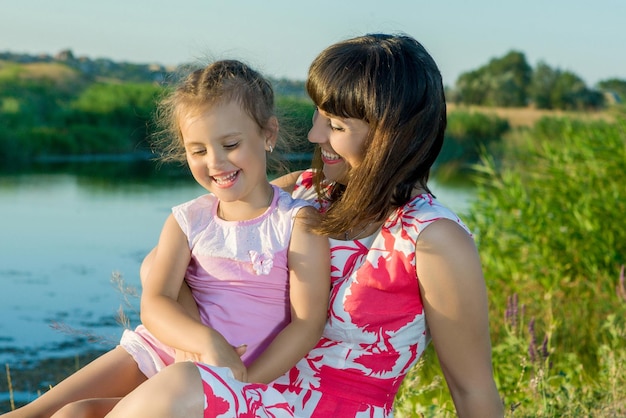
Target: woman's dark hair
(394,85)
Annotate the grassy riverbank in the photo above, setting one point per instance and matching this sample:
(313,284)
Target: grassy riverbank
(549,224)
(22,382)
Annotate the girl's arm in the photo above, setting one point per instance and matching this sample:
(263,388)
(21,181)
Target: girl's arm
(185,298)
(167,319)
(455,302)
(309,292)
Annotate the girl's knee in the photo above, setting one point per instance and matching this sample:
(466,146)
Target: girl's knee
(175,391)
(86,408)
(78,409)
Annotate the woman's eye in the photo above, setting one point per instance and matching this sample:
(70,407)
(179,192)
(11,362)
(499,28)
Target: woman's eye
(335,128)
(231,146)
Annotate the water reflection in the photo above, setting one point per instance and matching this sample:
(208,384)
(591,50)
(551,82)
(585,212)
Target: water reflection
(67,231)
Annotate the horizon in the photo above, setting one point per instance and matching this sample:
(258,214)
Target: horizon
(281,38)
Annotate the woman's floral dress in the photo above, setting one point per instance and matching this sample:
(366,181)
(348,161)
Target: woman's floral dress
(376,330)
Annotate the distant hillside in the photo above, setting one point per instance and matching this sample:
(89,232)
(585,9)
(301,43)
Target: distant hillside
(55,67)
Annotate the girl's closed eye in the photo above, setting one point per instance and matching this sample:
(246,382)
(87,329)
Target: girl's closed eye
(196,151)
(231,145)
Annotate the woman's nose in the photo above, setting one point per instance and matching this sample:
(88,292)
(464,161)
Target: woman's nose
(316,133)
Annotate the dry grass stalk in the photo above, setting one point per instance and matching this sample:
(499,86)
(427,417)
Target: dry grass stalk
(11,400)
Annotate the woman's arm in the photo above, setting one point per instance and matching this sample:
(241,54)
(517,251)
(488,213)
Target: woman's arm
(309,291)
(287,182)
(455,301)
(167,319)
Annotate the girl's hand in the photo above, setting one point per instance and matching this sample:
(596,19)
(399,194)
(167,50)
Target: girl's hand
(181,355)
(218,352)
(225,359)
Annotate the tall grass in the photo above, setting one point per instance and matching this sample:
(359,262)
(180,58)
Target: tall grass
(10,387)
(549,222)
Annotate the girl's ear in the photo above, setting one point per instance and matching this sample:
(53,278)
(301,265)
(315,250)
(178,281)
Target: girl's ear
(271,133)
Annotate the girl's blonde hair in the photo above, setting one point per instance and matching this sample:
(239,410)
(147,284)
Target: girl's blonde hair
(219,82)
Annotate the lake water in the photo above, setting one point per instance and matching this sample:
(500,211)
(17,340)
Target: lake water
(66,237)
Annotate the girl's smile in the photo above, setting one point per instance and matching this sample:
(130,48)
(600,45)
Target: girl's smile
(225,180)
(226,154)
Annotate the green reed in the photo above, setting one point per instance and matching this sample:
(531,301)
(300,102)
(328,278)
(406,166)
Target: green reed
(549,224)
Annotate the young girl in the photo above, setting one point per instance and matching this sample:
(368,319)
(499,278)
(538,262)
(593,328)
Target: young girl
(257,273)
(405,269)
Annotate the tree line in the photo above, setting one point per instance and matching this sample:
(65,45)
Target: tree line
(64,106)
(509,81)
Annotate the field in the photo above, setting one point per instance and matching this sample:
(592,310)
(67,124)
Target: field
(528,116)
(553,247)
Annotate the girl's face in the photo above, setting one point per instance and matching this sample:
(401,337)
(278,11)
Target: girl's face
(225,151)
(341,141)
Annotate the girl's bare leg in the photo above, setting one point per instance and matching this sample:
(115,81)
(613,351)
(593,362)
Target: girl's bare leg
(88,408)
(112,375)
(174,392)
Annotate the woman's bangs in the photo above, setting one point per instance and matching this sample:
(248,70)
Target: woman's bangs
(333,91)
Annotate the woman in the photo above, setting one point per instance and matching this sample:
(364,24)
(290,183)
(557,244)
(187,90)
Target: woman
(404,269)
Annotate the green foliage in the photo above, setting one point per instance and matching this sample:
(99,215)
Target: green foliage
(542,85)
(614,86)
(289,88)
(467,134)
(568,179)
(44,117)
(296,114)
(571,93)
(117,99)
(510,82)
(30,101)
(548,220)
(502,82)
(56,113)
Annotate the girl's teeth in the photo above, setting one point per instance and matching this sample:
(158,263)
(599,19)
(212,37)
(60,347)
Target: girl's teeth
(225,179)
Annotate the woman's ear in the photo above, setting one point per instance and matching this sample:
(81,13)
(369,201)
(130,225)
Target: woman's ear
(271,133)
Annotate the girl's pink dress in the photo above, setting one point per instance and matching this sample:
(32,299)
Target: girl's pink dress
(376,330)
(238,276)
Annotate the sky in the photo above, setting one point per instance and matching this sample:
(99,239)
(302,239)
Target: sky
(281,37)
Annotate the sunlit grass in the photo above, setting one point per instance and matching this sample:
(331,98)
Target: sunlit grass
(527,116)
(549,222)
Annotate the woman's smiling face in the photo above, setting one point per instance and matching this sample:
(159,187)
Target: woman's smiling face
(341,141)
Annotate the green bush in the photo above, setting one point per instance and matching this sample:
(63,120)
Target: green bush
(550,229)
(124,99)
(467,134)
(296,115)
(549,224)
